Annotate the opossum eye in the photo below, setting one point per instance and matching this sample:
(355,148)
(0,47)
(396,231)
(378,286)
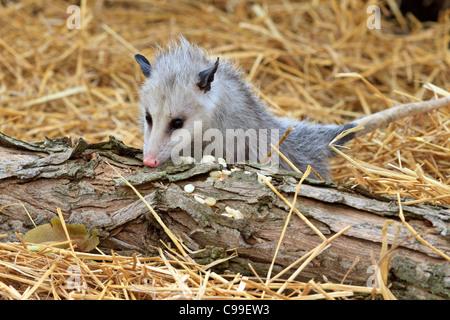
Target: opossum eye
(176,123)
(148,118)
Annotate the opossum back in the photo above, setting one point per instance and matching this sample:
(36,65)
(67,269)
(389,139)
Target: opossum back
(308,144)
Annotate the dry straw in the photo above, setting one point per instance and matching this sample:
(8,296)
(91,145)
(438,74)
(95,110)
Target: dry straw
(57,81)
(61,274)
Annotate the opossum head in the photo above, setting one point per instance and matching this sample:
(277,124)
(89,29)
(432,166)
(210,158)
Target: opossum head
(180,90)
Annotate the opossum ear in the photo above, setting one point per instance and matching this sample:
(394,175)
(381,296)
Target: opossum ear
(144,63)
(207,76)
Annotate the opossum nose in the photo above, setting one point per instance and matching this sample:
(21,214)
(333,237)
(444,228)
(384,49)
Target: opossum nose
(150,161)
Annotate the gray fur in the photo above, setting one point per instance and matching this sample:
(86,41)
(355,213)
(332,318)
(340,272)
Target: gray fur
(171,91)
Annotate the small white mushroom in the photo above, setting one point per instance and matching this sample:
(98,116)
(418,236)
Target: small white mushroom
(235,214)
(215,174)
(229,210)
(189,188)
(238,215)
(207,159)
(222,162)
(199,200)
(226,172)
(187,160)
(210,201)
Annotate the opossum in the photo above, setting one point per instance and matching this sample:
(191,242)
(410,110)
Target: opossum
(185,87)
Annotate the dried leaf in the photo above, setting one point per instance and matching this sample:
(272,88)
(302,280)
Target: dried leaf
(53,233)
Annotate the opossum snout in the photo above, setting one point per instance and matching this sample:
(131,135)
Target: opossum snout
(151,161)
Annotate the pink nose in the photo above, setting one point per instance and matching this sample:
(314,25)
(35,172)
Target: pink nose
(150,161)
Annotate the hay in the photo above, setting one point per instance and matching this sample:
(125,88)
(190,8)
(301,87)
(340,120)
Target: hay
(61,274)
(56,81)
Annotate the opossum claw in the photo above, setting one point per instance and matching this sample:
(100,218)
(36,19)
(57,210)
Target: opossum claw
(207,76)
(145,64)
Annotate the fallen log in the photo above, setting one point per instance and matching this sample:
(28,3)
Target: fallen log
(81,179)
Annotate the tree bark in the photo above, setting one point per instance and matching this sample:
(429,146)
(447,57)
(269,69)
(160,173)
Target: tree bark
(47,175)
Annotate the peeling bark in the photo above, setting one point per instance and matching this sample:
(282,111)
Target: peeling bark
(52,174)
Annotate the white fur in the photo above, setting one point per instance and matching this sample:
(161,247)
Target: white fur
(171,91)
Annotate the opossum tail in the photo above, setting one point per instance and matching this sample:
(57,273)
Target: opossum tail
(385,117)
